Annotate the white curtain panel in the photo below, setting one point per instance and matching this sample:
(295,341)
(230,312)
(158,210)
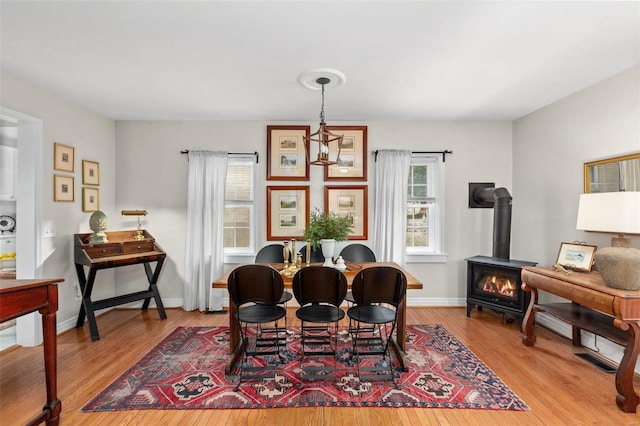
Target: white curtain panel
(630,175)
(390,222)
(204,259)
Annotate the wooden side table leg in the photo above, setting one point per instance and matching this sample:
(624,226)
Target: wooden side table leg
(49,344)
(627,399)
(528,338)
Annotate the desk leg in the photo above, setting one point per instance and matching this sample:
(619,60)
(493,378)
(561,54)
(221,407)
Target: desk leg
(528,338)
(235,349)
(398,344)
(627,399)
(152,277)
(87,305)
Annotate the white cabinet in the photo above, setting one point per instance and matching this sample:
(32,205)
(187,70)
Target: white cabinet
(8,172)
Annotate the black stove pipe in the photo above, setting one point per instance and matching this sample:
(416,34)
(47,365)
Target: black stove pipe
(501,200)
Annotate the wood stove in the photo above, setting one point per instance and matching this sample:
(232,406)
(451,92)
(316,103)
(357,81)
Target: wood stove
(496,284)
(495,281)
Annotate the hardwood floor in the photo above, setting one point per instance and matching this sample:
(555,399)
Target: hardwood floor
(560,388)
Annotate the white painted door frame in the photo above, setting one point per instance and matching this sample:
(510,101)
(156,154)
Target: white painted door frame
(29,262)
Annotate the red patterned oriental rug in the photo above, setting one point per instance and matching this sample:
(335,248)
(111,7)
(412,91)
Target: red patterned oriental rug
(186,371)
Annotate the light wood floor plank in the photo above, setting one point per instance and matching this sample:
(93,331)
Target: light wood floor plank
(559,387)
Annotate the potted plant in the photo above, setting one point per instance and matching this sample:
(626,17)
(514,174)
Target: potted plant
(325,229)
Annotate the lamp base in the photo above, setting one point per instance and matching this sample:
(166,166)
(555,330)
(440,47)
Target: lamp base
(621,241)
(619,267)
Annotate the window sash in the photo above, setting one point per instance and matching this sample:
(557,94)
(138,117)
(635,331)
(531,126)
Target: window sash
(240,222)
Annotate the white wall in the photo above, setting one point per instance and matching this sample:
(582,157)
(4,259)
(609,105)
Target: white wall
(550,147)
(93,137)
(152,175)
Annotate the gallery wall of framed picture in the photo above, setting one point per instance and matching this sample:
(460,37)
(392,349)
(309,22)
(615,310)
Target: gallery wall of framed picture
(64,184)
(288,160)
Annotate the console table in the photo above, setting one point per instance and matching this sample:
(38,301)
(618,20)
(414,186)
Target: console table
(605,311)
(20,297)
(121,250)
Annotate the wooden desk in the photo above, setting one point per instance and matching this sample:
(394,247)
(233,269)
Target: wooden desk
(605,311)
(121,250)
(398,344)
(20,297)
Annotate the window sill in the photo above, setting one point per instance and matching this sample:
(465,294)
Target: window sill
(426,258)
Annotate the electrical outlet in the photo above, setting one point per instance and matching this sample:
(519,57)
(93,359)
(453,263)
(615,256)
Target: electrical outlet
(49,231)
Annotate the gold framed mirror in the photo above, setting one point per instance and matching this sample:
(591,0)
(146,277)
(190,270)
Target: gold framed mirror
(613,174)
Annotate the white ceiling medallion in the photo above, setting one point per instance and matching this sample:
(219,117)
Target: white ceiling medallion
(309,78)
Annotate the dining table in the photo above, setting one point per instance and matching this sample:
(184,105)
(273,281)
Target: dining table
(352,268)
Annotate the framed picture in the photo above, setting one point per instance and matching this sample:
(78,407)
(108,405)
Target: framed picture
(287,211)
(287,154)
(351,201)
(63,158)
(63,188)
(576,256)
(90,199)
(352,163)
(90,173)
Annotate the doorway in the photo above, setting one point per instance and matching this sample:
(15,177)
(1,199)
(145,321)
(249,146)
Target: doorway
(28,211)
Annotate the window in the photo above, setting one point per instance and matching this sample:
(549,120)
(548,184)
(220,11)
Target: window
(239,209)
(425,207)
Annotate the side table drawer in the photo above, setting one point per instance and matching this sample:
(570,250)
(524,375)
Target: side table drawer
(104,250)
(137,247)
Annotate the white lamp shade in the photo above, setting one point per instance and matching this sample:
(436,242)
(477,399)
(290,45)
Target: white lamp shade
(615,212)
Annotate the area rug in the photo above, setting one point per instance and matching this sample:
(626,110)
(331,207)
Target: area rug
(186,371)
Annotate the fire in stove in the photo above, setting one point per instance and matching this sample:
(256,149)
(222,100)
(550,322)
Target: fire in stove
(499,285)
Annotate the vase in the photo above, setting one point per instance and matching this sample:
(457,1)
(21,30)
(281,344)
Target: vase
(328,247)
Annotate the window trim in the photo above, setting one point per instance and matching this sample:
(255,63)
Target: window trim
(438,255)
(243,255)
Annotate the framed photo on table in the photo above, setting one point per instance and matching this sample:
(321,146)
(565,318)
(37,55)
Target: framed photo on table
(351,201)
(287,154)
(90,173)
(63,188)
(287,212)
(90,199)
(576,256)
(63,157)
(352,163)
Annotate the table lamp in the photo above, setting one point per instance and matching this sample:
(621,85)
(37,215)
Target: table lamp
(137,234)
(618,213)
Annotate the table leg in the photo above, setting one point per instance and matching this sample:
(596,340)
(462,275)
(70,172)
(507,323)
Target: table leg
(528,338)
(398,344)
(235,349)
(627,399)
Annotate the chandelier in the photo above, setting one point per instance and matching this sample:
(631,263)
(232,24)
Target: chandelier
(323,137)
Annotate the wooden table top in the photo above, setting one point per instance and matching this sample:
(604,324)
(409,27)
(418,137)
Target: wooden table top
(352,269)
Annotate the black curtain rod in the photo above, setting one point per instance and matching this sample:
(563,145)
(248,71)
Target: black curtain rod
(444,153)
(186,151)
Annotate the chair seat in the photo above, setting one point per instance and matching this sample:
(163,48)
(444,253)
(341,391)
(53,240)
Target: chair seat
(372,314)
(320,313)
(286,296)
(258,313)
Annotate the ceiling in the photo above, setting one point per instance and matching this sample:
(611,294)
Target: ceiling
(240,60)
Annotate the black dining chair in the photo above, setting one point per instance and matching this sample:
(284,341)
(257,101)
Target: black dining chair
(316,254)
(274,253)
(356,252)
(319,291)
(255,291)
(377,291)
